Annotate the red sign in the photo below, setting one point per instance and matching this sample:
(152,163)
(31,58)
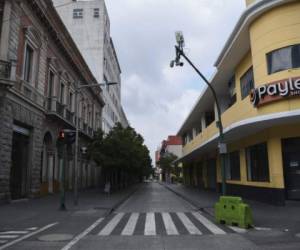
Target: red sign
(275,91)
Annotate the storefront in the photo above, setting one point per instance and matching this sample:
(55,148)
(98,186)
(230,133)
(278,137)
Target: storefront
(258,87)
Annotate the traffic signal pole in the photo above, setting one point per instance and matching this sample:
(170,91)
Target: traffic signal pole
(78,87)
(62,181)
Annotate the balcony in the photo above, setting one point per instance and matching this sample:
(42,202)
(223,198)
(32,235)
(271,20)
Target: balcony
(90,131)
(59,110)
(69,116)
(85,128)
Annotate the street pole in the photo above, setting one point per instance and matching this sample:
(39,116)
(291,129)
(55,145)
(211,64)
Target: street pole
(63,163)
(76,147)
(222,146)
(78,87)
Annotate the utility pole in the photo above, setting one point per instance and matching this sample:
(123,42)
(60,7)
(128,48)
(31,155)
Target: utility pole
(62,176)
(76,146)
(222,146)
(78,87)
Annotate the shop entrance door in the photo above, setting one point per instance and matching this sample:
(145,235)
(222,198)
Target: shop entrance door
(291,162)
(19,167)
(212,174)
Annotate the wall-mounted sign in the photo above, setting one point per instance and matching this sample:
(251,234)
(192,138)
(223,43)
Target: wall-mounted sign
(275,91)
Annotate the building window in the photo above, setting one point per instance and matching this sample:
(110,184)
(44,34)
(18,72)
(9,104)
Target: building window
(233,167)
(62,93)
(28,64)
(247,83)
(83,114)
(77,13)
(198,130)
(96,13)
(232,91)
(257,162)
(50,84)
(71,101)
(209,118)
(283,59)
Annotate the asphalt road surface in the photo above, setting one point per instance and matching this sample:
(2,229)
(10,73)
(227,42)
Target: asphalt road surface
(156,218)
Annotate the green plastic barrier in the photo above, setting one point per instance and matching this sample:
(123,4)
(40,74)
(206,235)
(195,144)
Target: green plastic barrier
(233,211)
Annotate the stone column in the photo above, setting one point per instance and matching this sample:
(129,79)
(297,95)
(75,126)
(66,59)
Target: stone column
(6,134)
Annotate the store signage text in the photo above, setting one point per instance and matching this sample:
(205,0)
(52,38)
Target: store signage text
(275,91)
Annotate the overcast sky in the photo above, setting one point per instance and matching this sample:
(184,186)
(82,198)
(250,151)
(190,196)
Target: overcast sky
(156,98)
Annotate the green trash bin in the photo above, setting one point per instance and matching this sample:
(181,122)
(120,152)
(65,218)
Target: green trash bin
(231,210)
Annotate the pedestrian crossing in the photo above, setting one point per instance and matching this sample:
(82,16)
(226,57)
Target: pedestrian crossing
(6,236)
(9,235)
(162,223)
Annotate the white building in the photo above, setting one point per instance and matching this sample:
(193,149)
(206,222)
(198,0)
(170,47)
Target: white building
(89,25)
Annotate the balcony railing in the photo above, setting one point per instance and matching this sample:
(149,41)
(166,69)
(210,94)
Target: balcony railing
(60,109)
(90,131)
(5,68)
(85,128)
(69,116)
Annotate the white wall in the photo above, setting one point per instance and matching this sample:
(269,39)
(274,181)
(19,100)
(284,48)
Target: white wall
(92,36)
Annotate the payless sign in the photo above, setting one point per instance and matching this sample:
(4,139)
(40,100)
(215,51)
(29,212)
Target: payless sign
(275,91)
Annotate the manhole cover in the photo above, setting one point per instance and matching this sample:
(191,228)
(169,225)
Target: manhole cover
(56,237)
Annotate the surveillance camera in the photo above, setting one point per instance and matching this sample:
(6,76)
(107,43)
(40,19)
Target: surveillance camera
(181,64)
(172,64)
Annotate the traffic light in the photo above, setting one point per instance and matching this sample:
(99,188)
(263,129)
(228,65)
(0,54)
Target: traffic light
(61,136)
(67,136)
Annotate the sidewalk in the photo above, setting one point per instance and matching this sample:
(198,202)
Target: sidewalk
(38,212)
(264,215)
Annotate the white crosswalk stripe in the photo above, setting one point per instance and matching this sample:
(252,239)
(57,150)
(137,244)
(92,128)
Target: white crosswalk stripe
(150,228)
(169,224)
(14,232)
(131,224)
(192,229)
(111,225)
(208,224)
(9,236)
(149,224)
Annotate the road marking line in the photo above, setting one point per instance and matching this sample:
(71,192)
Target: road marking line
(3,241)
(83,234)
(8,236)
(14,232)
(32,228)
(150,228)
(131,224)
(208,224)
(27,236)
(238,230)
(188,224)
(262,228)
(169,224)
(111,225)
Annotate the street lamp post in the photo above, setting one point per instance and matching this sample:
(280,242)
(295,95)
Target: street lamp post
(222,146)
(78,87)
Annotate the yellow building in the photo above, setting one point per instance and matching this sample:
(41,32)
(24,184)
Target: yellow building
(258,86)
